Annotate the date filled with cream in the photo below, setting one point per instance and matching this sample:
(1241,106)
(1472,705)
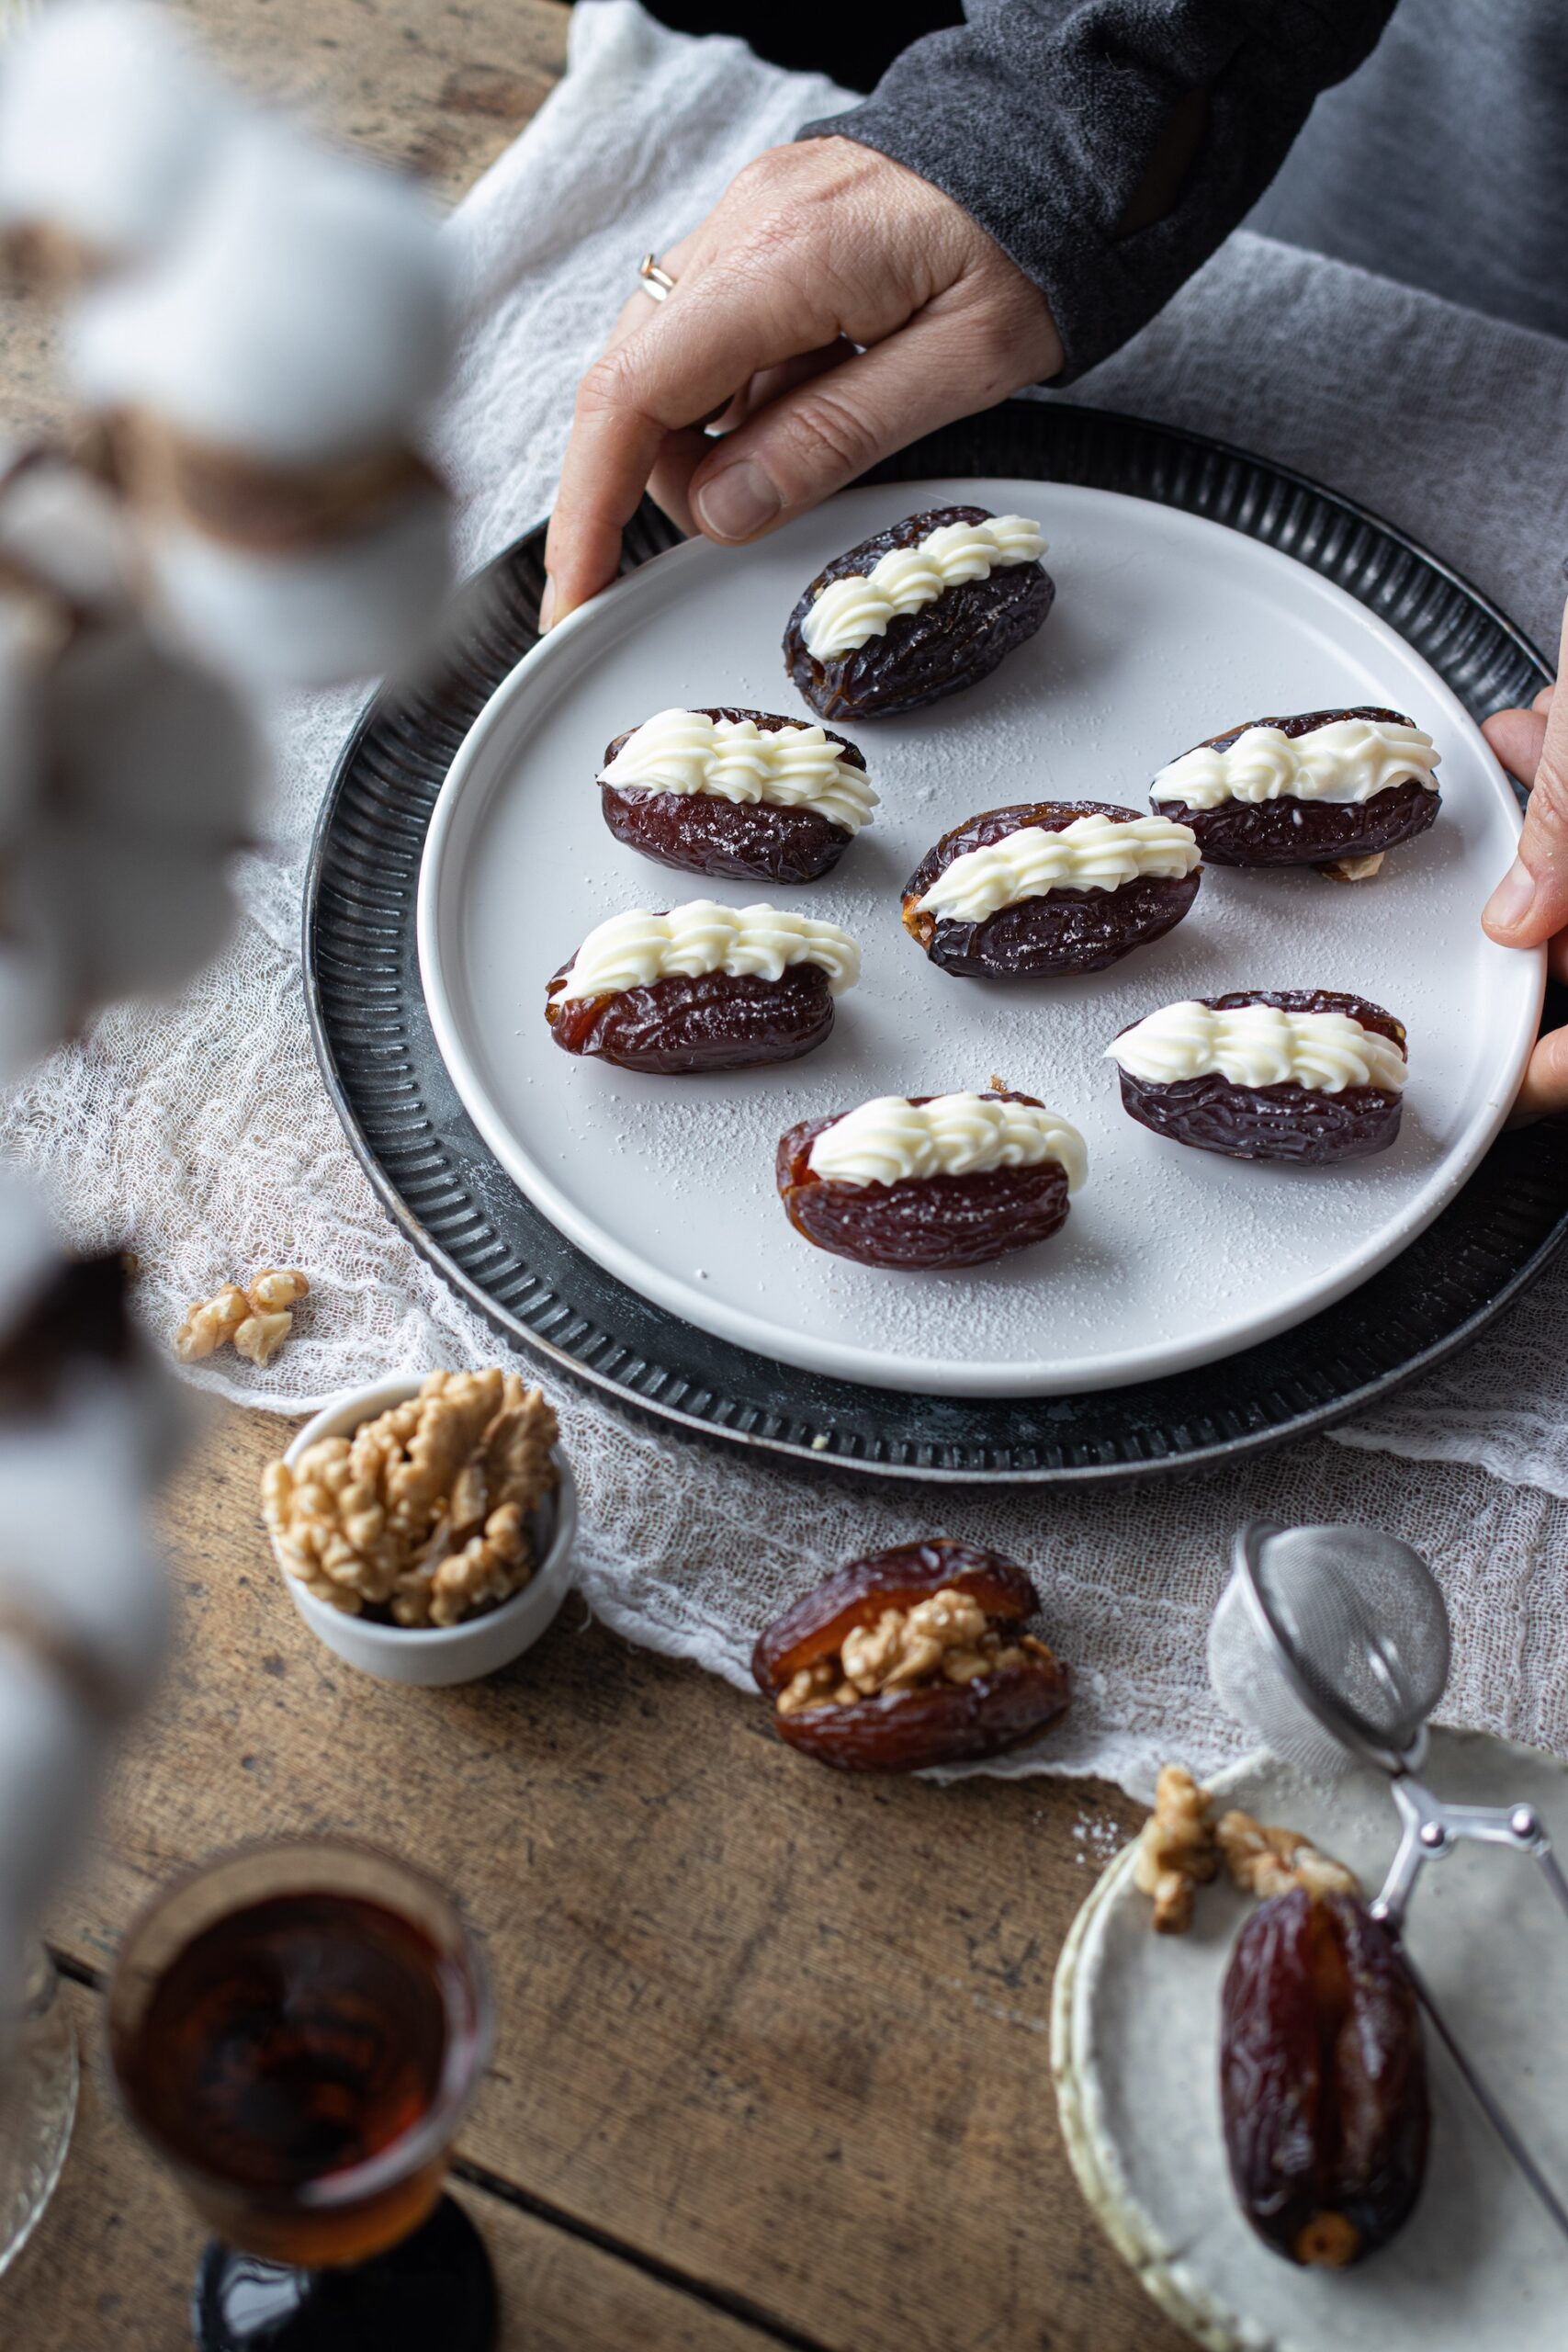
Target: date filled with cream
(923,609)
(929,1183)
(1333,789)
(1045,888)
(737,793)
(1309,1076)
(702,987)
(859,606)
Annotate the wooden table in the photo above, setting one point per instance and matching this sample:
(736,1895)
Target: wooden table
(773,2061)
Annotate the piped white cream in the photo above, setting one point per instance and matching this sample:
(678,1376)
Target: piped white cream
(734,758)
(1092,854)
(852,610)
(1258,1044)
(633,950)
(890,1138)
(1345,760)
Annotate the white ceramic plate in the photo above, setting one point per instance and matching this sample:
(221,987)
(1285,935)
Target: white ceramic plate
(1135,2048)
(1166,628)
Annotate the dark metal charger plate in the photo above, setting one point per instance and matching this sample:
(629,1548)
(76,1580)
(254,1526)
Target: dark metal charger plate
(441,1184)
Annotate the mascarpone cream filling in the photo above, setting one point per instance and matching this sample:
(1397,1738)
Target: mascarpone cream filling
(858,607)
(953,1135)
(1257,1045)
(1092,853)
(1347,759)
(633,950)
(734,758)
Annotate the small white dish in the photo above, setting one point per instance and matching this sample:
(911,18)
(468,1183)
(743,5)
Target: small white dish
(432,1656)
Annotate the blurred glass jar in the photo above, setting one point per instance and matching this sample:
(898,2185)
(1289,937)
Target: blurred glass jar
(39,2080)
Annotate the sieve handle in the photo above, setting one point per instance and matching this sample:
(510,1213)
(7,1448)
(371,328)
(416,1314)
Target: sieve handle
(1483,2098)
(1429,1830)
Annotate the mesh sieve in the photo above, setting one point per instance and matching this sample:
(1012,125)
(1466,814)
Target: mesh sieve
(1330,1643)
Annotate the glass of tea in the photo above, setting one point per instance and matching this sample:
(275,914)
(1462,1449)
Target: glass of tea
(297,2028)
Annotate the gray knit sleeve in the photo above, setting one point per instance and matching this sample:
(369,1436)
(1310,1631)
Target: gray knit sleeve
(1039,117)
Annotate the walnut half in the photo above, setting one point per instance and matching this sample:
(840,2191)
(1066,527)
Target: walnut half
(1272,1861)
(1176,1853)
(256,1320)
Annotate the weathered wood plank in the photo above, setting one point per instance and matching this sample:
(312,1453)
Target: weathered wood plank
(779,2030)
(437,86)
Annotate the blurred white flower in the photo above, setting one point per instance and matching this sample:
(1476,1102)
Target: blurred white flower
(50,1766)
(85,1425)
(108,123)
(310,617)
(129,774)
(264,383)
(76,1562)
(300,318)
(260,329)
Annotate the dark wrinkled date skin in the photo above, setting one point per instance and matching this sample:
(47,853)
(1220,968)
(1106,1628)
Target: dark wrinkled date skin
(710,1021)
(744,842)
(1307,832)
(923,1224)
(1323,2079)
(906,1731)
(1065,931)
(1299,1124)
(947,645)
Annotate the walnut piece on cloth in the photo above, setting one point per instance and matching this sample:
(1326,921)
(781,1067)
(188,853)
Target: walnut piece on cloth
(256,1320)
(424,1512)
(1177,1853)
(1274,1861)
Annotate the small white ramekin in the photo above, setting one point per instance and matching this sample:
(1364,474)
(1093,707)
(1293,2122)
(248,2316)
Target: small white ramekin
(440,1654)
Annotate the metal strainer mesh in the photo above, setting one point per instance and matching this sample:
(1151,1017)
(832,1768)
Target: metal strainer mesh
(1329,1642)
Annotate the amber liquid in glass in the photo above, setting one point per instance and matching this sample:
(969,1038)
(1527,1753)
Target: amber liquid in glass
(288,2042)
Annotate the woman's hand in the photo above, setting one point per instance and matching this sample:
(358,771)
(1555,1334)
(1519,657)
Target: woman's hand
(815,249)
(1530,904)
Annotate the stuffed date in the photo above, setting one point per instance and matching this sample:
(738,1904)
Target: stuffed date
(1051,886)
(1332,788)
(911,1657)
(1323,2079)
(1304,1075)
(734,792)
(702,988)
(917,612)
(927,1183)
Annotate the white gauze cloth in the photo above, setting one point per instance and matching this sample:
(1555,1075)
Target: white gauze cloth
(199,1134)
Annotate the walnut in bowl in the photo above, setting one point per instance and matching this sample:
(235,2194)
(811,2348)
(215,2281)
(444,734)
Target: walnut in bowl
(424,1529)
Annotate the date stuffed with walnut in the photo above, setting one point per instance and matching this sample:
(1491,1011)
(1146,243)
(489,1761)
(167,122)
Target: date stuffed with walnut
(736,792)
(917,612)
(1323,2079)
(911,1657)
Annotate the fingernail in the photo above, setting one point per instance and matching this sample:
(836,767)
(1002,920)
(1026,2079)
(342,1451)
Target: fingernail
(737,502)
(1511,902)
(546,607)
